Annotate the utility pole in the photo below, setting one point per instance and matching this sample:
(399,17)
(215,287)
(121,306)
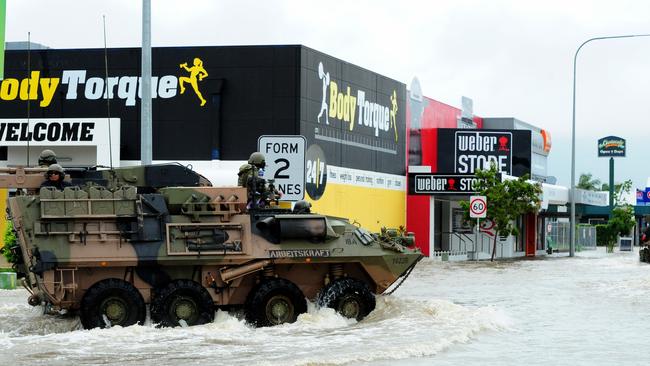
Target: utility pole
(572,242)
(145,103)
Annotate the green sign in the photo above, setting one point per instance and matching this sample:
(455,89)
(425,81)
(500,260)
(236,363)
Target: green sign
(611,146)
(3,7)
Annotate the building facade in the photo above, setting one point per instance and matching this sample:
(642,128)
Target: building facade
(209,107)
(446,147)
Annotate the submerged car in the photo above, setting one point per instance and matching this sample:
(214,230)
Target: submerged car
(120,239)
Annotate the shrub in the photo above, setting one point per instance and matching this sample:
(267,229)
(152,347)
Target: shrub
(605,235)
(9,243)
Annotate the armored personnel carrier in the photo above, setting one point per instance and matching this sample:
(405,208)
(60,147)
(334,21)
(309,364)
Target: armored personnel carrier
(119,239)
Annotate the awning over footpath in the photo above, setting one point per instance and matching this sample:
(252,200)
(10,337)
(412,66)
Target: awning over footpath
(559,195)
(603,211)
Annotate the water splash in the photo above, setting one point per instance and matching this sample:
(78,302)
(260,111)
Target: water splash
(398,328)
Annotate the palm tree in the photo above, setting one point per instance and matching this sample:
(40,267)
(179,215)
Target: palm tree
(586,181)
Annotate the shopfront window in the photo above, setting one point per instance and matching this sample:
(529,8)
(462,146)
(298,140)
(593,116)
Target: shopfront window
(521,236)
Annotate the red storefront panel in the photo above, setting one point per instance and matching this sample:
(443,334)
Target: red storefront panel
(434,115)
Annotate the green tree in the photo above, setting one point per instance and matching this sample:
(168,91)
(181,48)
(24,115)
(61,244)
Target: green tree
(617,187)
(9,243)
(619,190)
(507,200)
(588,182)
(622,220)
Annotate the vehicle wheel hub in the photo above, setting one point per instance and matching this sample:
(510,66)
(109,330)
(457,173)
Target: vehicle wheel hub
(184,308)
(115,310)
(349,307)
(279,310)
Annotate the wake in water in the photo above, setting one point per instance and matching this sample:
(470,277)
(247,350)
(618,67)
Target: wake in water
(398,328)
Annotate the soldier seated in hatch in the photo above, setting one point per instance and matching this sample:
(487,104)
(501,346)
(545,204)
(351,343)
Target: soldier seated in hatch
(55,177)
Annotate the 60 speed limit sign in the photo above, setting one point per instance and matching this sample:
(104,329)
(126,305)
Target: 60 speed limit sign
(477,207)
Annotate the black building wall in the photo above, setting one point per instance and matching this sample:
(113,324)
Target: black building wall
(363,147)
(249,91)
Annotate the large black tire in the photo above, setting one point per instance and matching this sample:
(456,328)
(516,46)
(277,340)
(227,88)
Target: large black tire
(112,302)
(275,301)
(182,300)
(349,297)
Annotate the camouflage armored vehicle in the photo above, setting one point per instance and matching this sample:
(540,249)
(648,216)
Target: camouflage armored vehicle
(119,239)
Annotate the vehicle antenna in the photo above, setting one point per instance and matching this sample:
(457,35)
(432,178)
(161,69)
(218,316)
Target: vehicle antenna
(108,99)
(29,71)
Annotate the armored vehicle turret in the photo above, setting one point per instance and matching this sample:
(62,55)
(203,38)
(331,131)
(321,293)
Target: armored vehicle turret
(117,240)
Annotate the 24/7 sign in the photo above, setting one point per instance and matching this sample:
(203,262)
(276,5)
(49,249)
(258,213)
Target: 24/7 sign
(477,207)
(285,164)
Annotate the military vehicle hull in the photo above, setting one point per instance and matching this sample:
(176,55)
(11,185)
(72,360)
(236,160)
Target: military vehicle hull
(106,252)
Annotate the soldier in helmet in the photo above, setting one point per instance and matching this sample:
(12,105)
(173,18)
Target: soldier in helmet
(256,162)
(46,158)
(302,207)
(54,177)
(260,191)
(250,176)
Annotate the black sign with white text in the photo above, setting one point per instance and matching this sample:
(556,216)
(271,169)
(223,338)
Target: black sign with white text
(464,151)
(430,184)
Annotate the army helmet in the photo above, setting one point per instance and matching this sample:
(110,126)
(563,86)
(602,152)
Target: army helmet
(55,168)
(47,158)
(302,206)
(257,159)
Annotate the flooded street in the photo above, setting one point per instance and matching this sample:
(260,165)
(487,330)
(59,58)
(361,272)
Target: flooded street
(587,310)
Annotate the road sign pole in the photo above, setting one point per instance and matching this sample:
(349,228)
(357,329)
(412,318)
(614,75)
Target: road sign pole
(611,186)
(478,228)
(477,210)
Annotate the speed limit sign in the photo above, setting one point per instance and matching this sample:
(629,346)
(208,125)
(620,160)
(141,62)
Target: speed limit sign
(477,207)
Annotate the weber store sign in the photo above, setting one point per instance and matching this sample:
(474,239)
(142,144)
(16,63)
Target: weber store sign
(509,151)
(434,184)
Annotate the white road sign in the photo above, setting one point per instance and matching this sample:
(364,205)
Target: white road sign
(477,207)
(285,164)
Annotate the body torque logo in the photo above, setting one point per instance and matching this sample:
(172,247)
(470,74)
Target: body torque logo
(78,84)
(196,71)
(353,109)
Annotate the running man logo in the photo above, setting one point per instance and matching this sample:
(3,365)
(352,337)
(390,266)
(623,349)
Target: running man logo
(326,81)
(196,71)
(344,106)
(393,112)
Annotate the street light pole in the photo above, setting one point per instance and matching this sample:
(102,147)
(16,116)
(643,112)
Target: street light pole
(573,140)
(146,150)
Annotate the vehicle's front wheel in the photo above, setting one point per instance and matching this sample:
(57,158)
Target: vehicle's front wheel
(112,302)
(182,301)
(349,297)
(275,301)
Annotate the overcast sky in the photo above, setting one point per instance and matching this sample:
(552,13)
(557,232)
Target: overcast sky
(513,58)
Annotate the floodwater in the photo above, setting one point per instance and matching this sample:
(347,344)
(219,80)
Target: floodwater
(588,310)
